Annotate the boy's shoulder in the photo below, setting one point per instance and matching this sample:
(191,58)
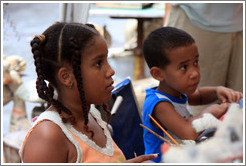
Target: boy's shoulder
(156,93)
(155,96)
(151,92)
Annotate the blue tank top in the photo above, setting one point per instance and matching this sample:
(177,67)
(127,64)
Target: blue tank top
(151,142)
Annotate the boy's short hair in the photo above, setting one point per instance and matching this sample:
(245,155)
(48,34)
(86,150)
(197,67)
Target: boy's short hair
(161,40)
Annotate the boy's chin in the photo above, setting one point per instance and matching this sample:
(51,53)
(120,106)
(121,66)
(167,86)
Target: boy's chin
(190,92)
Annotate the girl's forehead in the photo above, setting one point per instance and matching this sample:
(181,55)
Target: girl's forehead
(96,48)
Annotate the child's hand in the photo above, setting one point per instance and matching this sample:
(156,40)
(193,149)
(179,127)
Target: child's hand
(142,158)
(228,95)
(217,109)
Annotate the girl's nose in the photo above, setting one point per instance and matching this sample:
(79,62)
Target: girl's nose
(110,72)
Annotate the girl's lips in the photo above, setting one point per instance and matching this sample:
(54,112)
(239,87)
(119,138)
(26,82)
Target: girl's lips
(110,86)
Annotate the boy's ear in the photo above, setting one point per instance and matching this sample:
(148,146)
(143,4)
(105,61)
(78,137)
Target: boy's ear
(65,76)
(157,73)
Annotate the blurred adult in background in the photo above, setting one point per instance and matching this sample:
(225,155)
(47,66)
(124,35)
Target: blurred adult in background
(218,31)
(74,12)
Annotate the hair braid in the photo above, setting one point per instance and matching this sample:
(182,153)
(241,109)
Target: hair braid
(40,83)
(76,62)
(62,43)
(45,92)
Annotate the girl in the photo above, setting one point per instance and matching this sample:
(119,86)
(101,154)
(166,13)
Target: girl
(71,59)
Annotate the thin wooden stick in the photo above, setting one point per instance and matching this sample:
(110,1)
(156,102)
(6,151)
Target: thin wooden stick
(157,135)
(163,130)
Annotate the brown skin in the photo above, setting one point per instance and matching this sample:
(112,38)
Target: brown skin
(182,75)
(61,150)
(168,8)
(47,143)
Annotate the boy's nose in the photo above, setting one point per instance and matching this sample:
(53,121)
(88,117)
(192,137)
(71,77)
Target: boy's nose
(194,74)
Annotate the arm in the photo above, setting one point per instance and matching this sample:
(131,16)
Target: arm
(143,158)
(217,110)
(46,144)
(206,95)
(166,115)
(168,7)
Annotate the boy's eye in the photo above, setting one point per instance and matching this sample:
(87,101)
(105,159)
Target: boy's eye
(183,67)
(196,62)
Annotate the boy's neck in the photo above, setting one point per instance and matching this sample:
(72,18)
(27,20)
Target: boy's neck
(166,89)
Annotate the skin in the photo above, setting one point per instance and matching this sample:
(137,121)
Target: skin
(182,75)
(168,7)
(47,143)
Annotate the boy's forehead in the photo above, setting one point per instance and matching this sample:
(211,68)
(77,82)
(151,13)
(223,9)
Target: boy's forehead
(182,52)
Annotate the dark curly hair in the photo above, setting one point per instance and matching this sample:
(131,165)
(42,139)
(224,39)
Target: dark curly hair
(64,43)
(161,40)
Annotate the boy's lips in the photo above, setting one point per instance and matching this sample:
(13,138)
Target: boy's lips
(195,85)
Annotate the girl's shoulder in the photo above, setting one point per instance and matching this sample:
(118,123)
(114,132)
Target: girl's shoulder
(47,129)
(49,126)
(45,138)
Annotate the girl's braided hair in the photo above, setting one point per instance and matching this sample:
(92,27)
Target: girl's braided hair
(63,43)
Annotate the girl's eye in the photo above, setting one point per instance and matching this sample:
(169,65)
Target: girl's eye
(99,63)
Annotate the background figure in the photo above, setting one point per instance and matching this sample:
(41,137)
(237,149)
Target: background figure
(217,30)
(13,66)
(74,12)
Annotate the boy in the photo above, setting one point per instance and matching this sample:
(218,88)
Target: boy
(173,59)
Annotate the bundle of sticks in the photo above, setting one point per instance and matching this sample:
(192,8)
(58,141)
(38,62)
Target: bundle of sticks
(157,135)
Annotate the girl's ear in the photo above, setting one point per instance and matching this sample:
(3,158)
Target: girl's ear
(65,76)
(157,73)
